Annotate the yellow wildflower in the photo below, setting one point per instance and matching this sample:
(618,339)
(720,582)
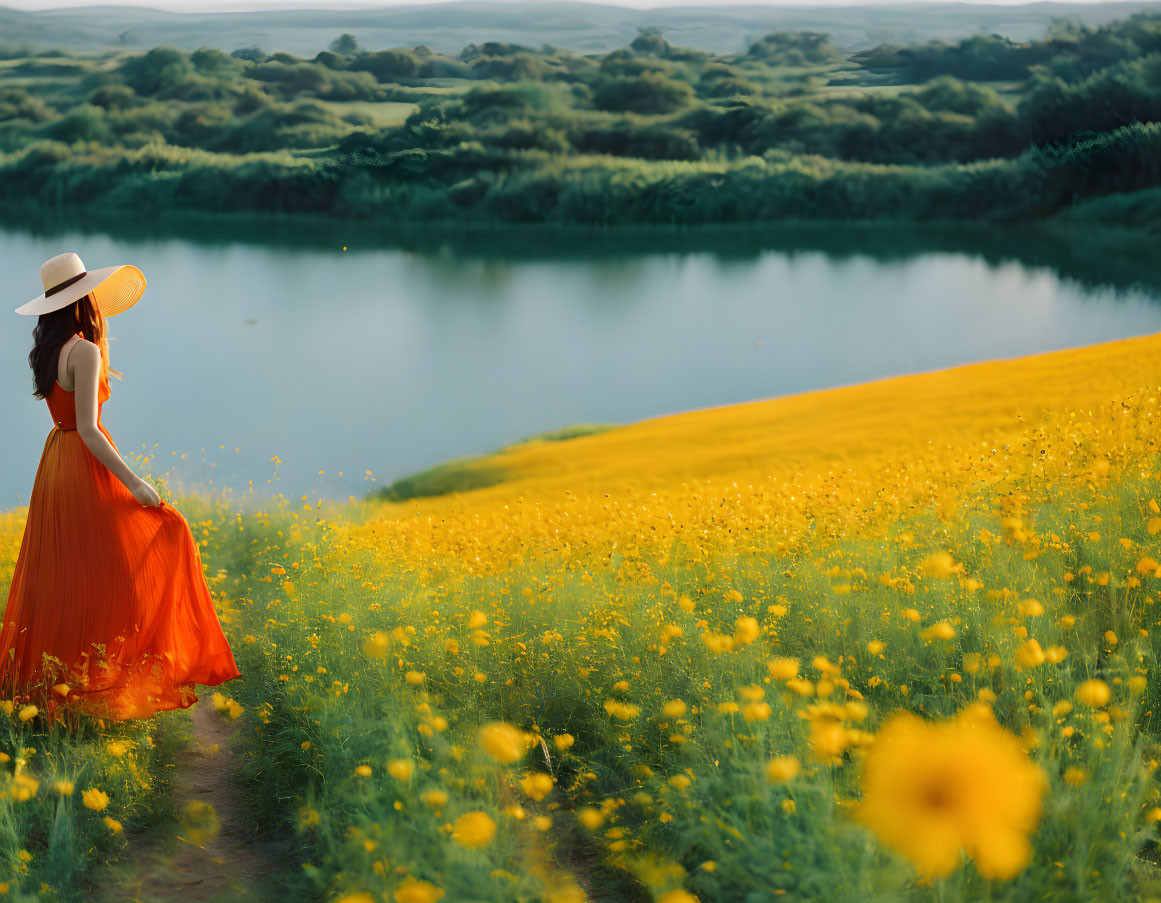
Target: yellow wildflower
(934,790)
(782,768)
(474,829)
(503,742)
(1094,693)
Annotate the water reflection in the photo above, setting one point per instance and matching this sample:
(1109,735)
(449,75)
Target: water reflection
(409,349)
(1093,257)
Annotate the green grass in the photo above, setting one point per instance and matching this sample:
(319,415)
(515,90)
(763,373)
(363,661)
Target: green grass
(53,848)
(470,472)
(1136,210)
(576,431)
(564,627)
(457,475)
(383,113)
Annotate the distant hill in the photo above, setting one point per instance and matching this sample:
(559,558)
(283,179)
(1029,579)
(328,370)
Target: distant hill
(582,27)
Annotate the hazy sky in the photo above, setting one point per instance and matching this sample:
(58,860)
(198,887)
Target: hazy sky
(219,5)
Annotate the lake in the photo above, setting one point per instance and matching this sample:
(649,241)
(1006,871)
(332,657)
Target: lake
(262,340)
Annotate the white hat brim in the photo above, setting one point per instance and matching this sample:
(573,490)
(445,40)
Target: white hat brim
(115,289)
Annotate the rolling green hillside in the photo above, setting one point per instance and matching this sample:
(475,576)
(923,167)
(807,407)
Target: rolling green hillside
(791,127)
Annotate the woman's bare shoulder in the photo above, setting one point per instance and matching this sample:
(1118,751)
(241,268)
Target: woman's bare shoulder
(86,354)
(85,347)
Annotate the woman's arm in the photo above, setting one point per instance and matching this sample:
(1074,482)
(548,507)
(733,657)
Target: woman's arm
(85,360)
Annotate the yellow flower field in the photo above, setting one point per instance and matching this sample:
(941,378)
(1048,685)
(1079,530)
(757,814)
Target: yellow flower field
(816,431)
(896,640)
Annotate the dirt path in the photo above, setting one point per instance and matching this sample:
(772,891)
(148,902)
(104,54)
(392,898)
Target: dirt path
(214,859)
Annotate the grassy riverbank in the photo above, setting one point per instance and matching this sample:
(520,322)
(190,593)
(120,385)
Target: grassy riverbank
(603,191)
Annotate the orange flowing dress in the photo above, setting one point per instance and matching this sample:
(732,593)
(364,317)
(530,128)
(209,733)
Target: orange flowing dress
(108,595)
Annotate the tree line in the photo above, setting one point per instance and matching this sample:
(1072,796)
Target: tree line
(508,131)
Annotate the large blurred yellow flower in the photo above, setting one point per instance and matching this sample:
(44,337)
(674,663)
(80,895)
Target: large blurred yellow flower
(375,646)
(474,829)
(503,742)
(1094,693)
(783,668)
(939,631)
(537,784)
(938,564)
(675,708)
(434,797)
(932,790)
(782,768)
(746,630)
(677,896)
(23,787)
(415,891)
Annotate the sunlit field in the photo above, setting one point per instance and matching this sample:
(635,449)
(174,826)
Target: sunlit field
(892,640)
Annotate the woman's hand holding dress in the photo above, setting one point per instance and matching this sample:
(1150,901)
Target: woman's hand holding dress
(86,359)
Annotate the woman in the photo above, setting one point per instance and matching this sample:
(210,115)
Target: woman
(108,611)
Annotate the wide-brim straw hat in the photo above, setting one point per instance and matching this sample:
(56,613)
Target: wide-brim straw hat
(114,289)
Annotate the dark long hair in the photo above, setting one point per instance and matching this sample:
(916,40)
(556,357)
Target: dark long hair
(55,328)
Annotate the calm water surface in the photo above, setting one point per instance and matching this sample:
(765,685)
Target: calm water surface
(254,343)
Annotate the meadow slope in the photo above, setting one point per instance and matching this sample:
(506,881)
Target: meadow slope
(890,641)
(868,422)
